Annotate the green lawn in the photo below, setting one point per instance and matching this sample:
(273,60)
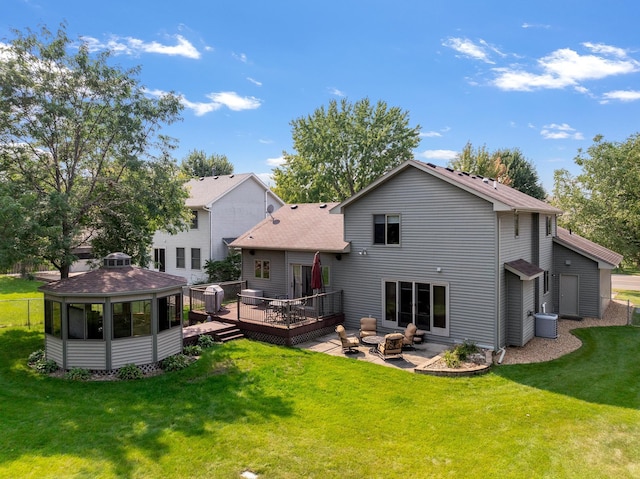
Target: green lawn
(290,413)
(634,298)
(20,303)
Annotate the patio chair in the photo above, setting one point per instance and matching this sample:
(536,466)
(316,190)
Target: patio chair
(348,342)
(409,335)
(391,347)
(368,327)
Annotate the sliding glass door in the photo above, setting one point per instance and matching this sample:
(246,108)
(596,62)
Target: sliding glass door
(424,304)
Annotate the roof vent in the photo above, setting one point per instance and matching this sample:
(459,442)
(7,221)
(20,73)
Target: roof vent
(323,205)
(116,260)
(201,178)
(495,185)
(485,180)
(293,207)
(232,176)
(215,177)
(431,165)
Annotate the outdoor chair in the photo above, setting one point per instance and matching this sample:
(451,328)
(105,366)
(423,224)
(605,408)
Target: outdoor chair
(348,342)
(409,335)
(391,347)
(368,327)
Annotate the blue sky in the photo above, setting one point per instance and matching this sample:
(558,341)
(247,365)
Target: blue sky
(543,76)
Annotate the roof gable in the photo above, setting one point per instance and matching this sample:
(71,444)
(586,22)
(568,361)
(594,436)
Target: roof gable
(604,257)
(304,227)
(503,198)
(209,189)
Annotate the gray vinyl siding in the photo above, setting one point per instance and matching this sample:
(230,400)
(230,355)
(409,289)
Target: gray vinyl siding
(169,343)
(276,284)
(605,290)
(54,348)
(546,263)
(442,226)
(137,350)
(588,277)
(86,354)
(520,299)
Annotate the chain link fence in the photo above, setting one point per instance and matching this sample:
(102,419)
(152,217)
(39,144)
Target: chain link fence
(27,312)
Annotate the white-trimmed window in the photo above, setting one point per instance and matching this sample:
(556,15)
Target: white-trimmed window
(386,229)
(516,225)
(180,258)
(195,258)
(261,269)
(546,282)
(549,225)
(194,219)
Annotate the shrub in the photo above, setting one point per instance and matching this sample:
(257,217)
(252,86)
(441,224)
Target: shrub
(466,349)
(175,362)
(193,350)
(36,356)
(451,358)
(129,371)
(78,374)
(46,366)
(206,341)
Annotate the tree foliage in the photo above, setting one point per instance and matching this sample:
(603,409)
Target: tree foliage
(197,164)
(81,156)
(342,148)
(507,166)
(602,202)
(228,269)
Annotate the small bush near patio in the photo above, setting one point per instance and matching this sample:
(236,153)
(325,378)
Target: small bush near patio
(45,366)
(193,350)
(175,362)
(206,341)
(129,372)
(78,374)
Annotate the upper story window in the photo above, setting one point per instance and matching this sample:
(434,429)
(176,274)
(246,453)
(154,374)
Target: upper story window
(549,225)
(195,258)
(386,229)
(516,225)
(194,219)
(180,258)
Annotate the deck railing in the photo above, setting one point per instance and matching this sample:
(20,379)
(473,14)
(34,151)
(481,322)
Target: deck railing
(289,313)
(196,293)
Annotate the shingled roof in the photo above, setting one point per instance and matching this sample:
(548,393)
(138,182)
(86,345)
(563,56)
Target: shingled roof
(304,227)
(208,189)
(587,248)
(503,198)
(114,281)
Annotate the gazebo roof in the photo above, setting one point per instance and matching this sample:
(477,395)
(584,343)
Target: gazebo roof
(114,281)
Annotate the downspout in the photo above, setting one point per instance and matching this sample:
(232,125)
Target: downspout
(498,286)
(210,231)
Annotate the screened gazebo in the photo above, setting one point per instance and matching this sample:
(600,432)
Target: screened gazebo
(115,315)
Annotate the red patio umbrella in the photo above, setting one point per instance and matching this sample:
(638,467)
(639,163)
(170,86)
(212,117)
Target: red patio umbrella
(316,272)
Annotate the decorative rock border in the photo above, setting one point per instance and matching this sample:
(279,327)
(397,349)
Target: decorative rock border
(465,370)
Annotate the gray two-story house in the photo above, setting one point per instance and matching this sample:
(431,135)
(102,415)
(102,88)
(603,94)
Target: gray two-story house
(461,256)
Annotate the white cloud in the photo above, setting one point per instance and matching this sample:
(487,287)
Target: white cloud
(336,92)
(444,155)
(275,161)
(468,48)
(254,81)
(266,178)
(621,95)
(229,99)
(235,102)
(240,56)
(562,131)
(566,67)
(535,25)
(135,46)
(430,134)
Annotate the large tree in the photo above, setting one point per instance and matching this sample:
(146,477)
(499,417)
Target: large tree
(602,203)
(81,156)
(507,165)
(198,164)
(342,148)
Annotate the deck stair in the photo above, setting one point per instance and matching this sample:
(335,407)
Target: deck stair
(218,330)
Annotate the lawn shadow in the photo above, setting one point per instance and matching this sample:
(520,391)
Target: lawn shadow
(108,420)
(603,371)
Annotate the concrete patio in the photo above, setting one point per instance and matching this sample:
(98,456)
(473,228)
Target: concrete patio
(412,359)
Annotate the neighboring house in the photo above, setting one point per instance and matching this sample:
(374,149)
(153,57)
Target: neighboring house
(582,270)
(277,254)
(222,208)
(461,256)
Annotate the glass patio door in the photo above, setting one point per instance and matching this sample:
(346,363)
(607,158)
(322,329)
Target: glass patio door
(424,304)
(301,281)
